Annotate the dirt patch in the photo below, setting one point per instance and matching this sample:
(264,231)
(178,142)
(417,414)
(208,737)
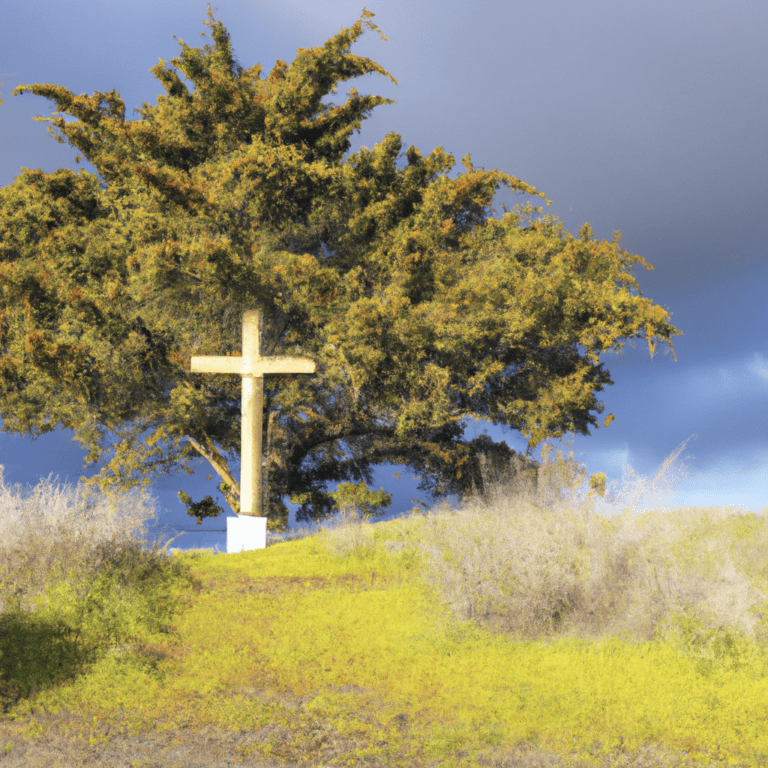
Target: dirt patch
(180,749)
(214,748)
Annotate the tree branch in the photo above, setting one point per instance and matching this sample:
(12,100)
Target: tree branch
(213,456)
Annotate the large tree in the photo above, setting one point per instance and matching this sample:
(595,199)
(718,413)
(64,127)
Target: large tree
(423,306)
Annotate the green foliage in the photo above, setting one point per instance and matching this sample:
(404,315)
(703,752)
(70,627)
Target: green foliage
(200,509)
(360,498)
(422,309)
(124,591)
(712,648)
(122,594)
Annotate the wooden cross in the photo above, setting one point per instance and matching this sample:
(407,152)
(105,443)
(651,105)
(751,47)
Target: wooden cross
(252,367)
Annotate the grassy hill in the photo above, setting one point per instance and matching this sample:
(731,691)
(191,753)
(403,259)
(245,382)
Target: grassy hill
(525,629)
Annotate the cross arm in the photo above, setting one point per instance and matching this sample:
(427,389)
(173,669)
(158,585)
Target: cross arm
(247,367)
(217,365)
(285,365)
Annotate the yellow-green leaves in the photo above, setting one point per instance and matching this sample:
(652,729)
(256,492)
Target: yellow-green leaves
(234,191)
(359,499)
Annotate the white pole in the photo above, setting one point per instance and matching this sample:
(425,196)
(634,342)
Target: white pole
(250,454)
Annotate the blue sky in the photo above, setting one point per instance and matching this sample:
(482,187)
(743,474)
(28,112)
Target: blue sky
(650,118)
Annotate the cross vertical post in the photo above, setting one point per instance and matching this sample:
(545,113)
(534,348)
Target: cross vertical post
(252,407)
(252,367)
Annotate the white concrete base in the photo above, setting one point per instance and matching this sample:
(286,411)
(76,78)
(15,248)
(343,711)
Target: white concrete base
(245,533)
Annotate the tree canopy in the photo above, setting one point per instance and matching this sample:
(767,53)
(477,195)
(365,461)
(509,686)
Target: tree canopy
(423,306)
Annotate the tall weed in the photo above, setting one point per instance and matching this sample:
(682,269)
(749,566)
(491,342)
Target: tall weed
(75,581)
(545,555)
(50,529)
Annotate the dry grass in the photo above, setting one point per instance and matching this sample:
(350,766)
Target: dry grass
(537,626)
(53,528)
(555,561)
